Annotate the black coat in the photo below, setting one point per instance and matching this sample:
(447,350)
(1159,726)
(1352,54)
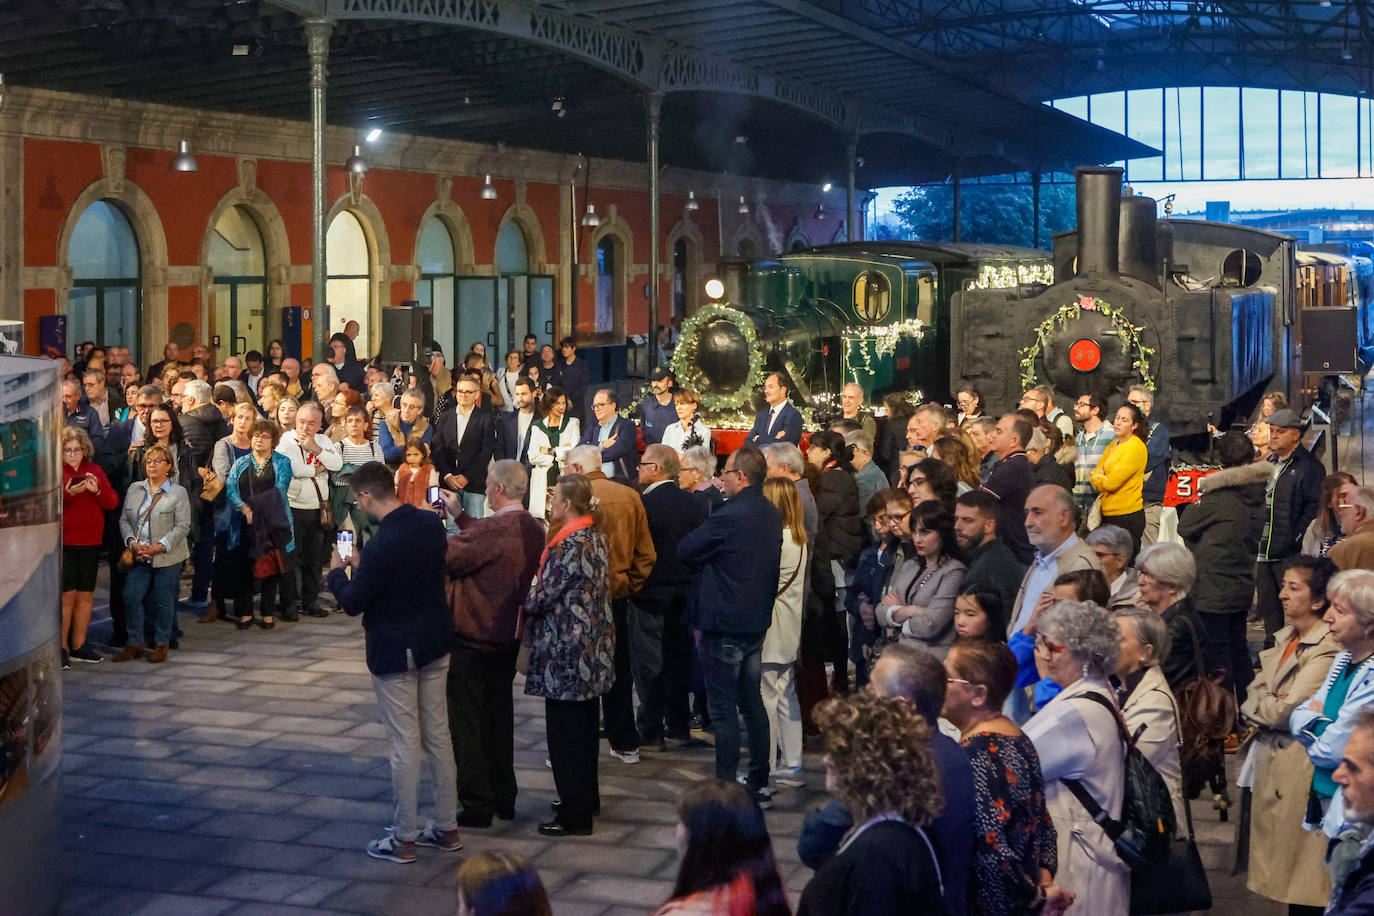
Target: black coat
(1047,470)
(1180,665)
(1222,530)
(839,531)
(472,454)
(509,444)
(1296,499)
(202,428)
(994,566)
(735,555)
(673,514)
(1011,481)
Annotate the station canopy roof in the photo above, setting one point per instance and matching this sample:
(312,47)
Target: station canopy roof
(768,88)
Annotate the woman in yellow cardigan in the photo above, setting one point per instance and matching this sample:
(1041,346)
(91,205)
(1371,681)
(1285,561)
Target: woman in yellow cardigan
(1120,473)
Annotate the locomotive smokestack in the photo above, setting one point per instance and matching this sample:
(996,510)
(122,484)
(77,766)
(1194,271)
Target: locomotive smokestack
(1099,219)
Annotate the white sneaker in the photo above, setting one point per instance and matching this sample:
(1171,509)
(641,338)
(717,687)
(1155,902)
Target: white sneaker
(792,779)
(625,756)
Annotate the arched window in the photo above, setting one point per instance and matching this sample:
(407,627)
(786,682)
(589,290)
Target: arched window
(348,285)
(872,296)
(608,291)
(103,304)
(435,289)
(747,249)
(682,278)
(238,259)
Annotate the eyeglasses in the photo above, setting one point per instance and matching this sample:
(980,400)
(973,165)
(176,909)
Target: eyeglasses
(1345,506)
(731,471)
(466,390)
(892,516)
(647,464)
(1044,645)
(914,480)
(958,680)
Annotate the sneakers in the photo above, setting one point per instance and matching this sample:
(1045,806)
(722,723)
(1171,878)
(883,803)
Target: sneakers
(66,661)
(792,779)
(447,840)
(84,653)
(626,756)
(392,849)
(762,795)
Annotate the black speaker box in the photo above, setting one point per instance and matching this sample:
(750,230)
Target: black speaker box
(1329,337)
(406,333)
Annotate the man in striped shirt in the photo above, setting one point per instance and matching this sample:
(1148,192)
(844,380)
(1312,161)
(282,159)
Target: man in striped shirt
(1092,440)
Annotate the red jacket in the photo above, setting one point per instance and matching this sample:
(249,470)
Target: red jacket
(83,515)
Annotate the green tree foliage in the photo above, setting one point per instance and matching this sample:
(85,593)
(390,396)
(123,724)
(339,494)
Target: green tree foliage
(995,213)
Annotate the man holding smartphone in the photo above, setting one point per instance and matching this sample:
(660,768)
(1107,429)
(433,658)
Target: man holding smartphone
(313,455)
(397,585)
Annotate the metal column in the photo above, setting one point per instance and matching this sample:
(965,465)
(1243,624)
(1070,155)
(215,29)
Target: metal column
(1035,209)
(653,103)
(317,32)
(849,219)
(958,201)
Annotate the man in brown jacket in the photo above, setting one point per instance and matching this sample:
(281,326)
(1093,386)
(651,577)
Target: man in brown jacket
(621,518)
(1356,516)
(491,562)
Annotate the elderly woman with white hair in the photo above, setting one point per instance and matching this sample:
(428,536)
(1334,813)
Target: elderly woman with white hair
(1079,737)
(1324,723)
(697,475)
(1112,545)
(1165,573)
(1147,703)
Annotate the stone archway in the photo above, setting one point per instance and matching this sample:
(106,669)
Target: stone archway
(456,222)
(687,231)
(614,227)
(152,251)
(379,254)
(276,245)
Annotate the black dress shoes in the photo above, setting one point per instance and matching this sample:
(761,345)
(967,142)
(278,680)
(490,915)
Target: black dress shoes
(468,818)
(555,829)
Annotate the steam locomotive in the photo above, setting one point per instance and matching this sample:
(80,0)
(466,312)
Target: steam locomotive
(1207,313)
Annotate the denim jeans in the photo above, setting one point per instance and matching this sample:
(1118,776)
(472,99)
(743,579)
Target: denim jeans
(732,668)
(414,707)
(151,592)
(474,504)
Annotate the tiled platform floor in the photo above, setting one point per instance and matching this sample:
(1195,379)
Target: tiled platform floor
(245,775)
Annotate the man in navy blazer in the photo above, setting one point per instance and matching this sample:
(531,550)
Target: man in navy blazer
(736,553)
(513,431)
(661,643)
(779,421)
(462,444)
(614,435)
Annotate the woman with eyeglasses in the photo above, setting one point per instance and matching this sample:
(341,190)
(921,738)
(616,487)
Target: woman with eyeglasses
(919,604)
(932,479)
(1015,855)
(1078,736)
(969,400)
(697,476)
(154,526)
(86,497)
(1120,474)
(165,430)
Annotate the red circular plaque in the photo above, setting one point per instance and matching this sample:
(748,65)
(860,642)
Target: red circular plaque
(1085,355)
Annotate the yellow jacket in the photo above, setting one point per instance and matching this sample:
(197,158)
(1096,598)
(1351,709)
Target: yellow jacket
(1119,475)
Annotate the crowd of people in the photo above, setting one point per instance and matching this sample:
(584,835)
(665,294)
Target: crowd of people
(983,621)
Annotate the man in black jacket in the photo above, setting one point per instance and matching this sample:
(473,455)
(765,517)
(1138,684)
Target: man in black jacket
(991,563)
(1011,480)
(736,554)
(398,587)
(662,645)
(203,425)
(1291,502)
(463,440)
(513,430)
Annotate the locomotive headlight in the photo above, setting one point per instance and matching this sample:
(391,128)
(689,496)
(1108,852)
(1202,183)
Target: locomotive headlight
(714,288)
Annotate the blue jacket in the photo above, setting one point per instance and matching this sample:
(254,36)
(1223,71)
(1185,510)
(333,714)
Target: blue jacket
(789,423)
(1355,896)
(509,444)
(735,553)
(654,418)
(951,832)
(399,589)
(673,513)
(1156,464)
(623,455)
(281,471)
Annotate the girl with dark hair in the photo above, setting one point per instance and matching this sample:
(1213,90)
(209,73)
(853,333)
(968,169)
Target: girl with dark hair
(839,537)
(920,602)
(1120,474)
(932,479)
(978,613)
(552,433)
(727,863)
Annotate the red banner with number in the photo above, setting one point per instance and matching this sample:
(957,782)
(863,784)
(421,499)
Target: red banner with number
(1183,488)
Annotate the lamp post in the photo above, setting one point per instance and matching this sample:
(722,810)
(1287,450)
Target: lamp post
(317,32)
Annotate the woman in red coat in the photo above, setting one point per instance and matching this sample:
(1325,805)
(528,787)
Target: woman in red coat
(86,497)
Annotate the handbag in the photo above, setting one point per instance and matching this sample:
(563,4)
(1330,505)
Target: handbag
(326,510)
(127,559)
(1176,883)
(211,485)
(271,563)
(1206,714)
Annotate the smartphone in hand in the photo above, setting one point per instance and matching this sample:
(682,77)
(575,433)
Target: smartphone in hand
(345,542)
(432,495)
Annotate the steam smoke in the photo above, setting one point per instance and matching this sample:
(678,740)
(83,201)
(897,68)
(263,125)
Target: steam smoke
(775,240)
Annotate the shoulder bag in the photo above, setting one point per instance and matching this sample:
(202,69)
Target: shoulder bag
(127,559)
(211,486)
(1206,714)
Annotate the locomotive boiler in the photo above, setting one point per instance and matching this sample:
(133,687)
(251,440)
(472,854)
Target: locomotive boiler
(1200,312)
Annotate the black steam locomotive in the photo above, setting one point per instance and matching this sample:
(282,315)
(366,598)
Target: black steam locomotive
(1203,312)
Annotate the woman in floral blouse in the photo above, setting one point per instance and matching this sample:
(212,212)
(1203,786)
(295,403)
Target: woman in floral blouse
(571,636)
(1015,857)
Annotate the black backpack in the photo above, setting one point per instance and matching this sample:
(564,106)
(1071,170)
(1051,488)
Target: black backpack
(1147,822)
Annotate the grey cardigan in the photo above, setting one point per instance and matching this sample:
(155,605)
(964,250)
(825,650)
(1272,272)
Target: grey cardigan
(171,521)
(932,627)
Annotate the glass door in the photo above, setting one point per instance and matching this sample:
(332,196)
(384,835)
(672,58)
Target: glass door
(240,314)
(477,314)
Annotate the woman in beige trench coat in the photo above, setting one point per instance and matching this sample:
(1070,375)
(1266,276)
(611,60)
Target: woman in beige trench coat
(1287,862)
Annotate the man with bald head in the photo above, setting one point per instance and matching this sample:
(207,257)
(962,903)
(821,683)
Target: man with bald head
(660,642)
(324,383)
(852,408)
(295,387)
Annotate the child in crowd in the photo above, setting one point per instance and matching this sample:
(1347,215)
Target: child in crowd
(416,476)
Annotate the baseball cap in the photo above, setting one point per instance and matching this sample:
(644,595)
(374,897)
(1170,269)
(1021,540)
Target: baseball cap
(1287,418)
(659,374)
